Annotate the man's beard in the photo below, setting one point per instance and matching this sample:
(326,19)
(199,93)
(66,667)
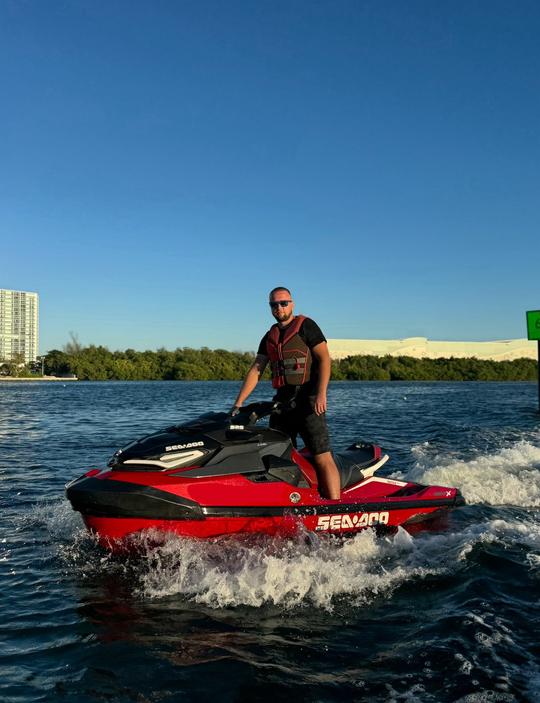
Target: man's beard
(286,318)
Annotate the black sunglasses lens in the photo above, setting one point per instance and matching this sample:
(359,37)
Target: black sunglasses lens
(279,303)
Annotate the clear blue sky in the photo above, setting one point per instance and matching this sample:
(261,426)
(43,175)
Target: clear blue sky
(164,164)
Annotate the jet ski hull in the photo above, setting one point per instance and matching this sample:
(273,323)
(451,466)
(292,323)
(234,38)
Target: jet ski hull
(112,532)
(115,509)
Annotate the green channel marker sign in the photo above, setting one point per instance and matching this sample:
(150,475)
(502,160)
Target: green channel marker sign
(533,324)
(533,332)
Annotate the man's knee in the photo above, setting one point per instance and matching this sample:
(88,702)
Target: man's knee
(325,460)
(322,457)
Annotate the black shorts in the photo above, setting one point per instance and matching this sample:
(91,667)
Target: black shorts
(302,420)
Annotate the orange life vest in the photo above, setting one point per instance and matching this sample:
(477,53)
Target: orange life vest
(290,358)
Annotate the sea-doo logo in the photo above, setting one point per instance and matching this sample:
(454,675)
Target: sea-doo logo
(174,447)
(351,521)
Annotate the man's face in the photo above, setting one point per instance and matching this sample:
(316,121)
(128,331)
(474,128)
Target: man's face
(282,313)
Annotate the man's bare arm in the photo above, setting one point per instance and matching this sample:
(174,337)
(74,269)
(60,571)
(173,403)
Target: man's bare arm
(320,351)
(252,378)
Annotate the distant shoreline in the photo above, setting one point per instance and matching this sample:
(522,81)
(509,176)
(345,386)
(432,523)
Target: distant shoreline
(36,378)
(184,364)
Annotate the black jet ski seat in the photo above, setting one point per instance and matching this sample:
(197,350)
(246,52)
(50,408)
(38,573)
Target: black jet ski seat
(357,462)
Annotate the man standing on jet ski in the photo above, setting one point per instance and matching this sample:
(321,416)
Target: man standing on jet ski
(300,363)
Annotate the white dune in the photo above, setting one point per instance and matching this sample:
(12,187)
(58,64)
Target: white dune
(423,348)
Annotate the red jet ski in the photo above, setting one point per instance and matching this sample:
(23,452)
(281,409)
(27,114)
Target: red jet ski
(220,475)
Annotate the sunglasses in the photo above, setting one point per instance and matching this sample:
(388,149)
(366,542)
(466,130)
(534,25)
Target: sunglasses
(279,304)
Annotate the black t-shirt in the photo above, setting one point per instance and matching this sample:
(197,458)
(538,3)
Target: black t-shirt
(312,335)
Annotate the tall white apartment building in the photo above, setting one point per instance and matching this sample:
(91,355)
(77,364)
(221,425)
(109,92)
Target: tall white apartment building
(19,326)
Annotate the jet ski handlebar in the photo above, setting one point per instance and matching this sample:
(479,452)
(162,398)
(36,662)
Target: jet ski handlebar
(250,414)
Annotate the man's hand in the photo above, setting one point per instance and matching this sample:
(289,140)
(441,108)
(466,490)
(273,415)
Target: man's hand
(320,404)
(234,410)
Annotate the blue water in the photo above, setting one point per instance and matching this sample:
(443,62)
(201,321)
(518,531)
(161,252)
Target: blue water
(448,615)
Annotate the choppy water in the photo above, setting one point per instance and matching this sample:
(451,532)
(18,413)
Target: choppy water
(452,615)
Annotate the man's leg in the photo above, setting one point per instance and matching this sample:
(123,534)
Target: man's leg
(314,432)
(284,422)
(328,475)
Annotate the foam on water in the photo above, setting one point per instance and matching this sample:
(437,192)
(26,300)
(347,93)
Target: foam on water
(317,570)
(260,570)
(508,477)
(243,570)
(310,570)
(487,697)
(57,517)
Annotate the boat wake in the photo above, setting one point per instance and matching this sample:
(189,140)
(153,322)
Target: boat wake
(258,570)
(320,570)
(510,476)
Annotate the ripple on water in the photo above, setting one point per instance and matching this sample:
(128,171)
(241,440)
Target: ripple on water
(445,616)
